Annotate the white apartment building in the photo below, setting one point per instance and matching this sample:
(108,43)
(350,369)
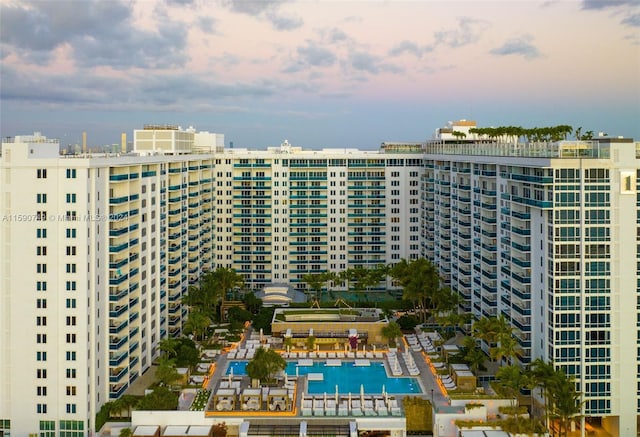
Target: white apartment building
(285,212)
(535,232)
(545,235)
(97,252)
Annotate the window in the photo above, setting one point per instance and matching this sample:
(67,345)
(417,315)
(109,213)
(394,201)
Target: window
(71,355)
(41,390)
(41,373)
(71,173)
(71,233)
(71,390)
(41,303)
(41,250)
(71,250)
(41,356)
(41,198)
(41,268)
(71,197)
(71,303)
(71,408)
(41,173)
(41,408)
(41,285)
(71,338)
(71,373)
(41,233)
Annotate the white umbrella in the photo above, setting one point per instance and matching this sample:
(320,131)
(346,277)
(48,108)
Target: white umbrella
(261,334)
(297,371)
(374,348)
(349,401)
(345,347)
(325,398)
(336,393)
(383,389)
(230,376)
(362,393)
(285,377)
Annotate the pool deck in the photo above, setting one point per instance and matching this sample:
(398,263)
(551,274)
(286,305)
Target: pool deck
(431,390)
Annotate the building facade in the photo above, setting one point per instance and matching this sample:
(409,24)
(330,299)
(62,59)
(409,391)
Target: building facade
(98,251)
(542,234)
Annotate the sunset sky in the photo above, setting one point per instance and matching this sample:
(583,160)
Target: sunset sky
(319,73)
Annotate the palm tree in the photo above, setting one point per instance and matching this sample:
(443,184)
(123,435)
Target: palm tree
(543,376)
(197,322)
(166,372)
(265,364)
(329,277)
(315,282)
(168,347)
(508,347)
(227,280)
(567,405)
(473,355)
(511,379)
(391,332)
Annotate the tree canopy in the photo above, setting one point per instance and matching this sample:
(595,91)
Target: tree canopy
(265,365)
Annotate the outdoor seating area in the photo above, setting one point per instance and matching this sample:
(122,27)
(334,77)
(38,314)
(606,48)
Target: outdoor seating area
(423,341)
(224,400)
(412,368)
(394,364)
(350,405)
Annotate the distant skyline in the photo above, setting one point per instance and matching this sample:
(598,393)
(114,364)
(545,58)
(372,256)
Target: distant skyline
(318,73)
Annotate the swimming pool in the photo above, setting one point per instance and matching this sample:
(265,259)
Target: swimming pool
(347,377)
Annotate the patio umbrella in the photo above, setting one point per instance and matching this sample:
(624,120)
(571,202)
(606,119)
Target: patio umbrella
(362,393)
(261,335)
(325,398)
(383,389)
(345,347)
(374,348)
(286,380)
(349,401)
(336,393)
(230,376)
(297,372)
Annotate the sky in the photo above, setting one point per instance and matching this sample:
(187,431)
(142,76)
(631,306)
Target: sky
(319,73)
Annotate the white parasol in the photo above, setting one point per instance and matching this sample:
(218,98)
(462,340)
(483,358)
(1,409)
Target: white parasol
(336,393)
(362,393)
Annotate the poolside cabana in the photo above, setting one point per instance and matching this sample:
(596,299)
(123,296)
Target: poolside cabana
(146,431)
(278,400)
(200,431)
(175,431)
(224,400)
(251,399)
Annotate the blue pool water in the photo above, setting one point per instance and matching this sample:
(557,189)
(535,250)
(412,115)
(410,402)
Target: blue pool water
(347,377)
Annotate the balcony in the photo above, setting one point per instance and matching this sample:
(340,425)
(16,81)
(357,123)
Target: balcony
(116,343)
(115,375)
(115,360)
(115,328)
(117,311)
(117,390)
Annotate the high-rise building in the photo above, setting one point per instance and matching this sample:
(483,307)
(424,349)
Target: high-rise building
(542,234)
(97,251)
